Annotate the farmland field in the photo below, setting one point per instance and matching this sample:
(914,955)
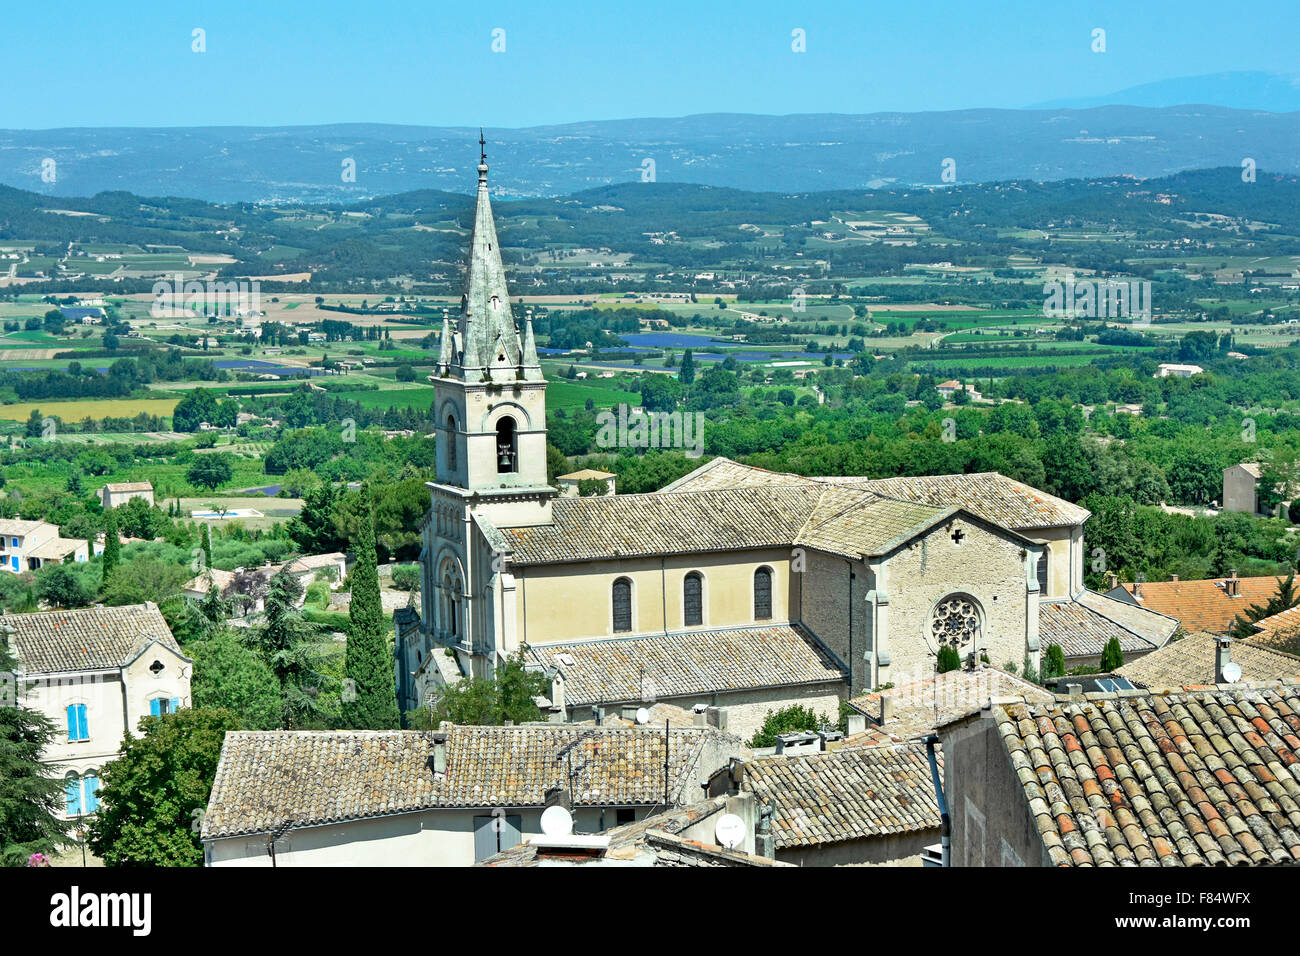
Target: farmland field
(75,411)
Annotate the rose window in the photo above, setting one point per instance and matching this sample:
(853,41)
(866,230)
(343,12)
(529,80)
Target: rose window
(955,622)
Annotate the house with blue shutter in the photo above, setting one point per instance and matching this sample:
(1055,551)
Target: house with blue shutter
(94,672)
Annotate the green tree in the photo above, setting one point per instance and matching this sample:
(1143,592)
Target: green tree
(687,372)
(112,543)
(787,720)
(949,659)
(229,674)
(62,586)
(370,696)
(290,647)
(210,471)
(31,791)
(506,695)
(1112,656)
(1055,664)
(152,797)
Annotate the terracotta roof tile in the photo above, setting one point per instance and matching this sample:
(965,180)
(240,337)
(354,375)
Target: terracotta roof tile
(96,638)
(1172,779)
(1204,605)
(267,778)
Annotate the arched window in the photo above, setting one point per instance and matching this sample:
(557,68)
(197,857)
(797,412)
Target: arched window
(507,450)
(693,599)
(72,790)
(451,442)
(1042,574)
(89,790)
(451,604)
(763,594)
(956,621)
(622,605)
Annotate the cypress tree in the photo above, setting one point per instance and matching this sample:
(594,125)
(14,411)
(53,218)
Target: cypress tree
(687,372)
(31,792)
(370,701)
(206,545)
(112,544)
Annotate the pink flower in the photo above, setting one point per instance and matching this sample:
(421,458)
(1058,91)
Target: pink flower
(37,859)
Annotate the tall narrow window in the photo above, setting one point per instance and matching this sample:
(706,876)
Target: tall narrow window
(451,442)
(90,784)
(763,594)
(1042,574)
(622,605)
(693,599)
(507,451)
(77,729)
(72,791)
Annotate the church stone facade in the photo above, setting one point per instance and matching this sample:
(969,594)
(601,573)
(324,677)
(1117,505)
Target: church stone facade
(734,586)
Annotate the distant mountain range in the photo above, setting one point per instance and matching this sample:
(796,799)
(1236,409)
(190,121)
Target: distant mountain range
(1274,92)
(787,154)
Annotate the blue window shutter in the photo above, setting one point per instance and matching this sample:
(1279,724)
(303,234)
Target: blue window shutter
(155,706)
(72,721)
(91,782)
(176,704)
(73,791)
(82,726)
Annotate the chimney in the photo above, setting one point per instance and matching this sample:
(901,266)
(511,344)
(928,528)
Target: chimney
(764,842)
(1222,658)
(1137,590)
(701,712)
(598,714)
(886,709)
(857,723)
(1173,578)
(1074,691)
(438,759)
(1112,580)
(1232,584)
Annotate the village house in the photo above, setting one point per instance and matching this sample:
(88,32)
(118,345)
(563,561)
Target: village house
(1207,604)
(1147,778)
(1167,369)
(852,805)
(1198,660)
(115,495)
(30,545)
(95,672)
(568,484)
(440,798)
(1241,490)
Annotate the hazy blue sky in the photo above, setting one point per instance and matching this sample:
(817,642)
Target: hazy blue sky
(429,62)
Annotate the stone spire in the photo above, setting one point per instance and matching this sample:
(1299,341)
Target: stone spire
(491,341)
(447,353)
(532,366)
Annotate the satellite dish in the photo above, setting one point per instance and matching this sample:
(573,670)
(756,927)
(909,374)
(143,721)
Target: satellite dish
(1232,672)
(730,831)
(642,715)
(557,822)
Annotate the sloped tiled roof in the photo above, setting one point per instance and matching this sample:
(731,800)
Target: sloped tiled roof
(922,705)
(1148,779)
(1204,605)
(839,520)
(130,486)
(1083,627)
(689,663)
(1281,630)
(52,642)
(629,525)
(268,778)
(989,495)
(1189,662)
(848,794)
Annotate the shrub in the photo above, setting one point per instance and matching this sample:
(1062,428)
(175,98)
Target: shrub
(949,659)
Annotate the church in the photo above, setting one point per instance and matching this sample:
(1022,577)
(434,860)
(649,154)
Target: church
(734,587)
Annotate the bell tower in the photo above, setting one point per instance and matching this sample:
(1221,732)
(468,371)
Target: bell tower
(489,392)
